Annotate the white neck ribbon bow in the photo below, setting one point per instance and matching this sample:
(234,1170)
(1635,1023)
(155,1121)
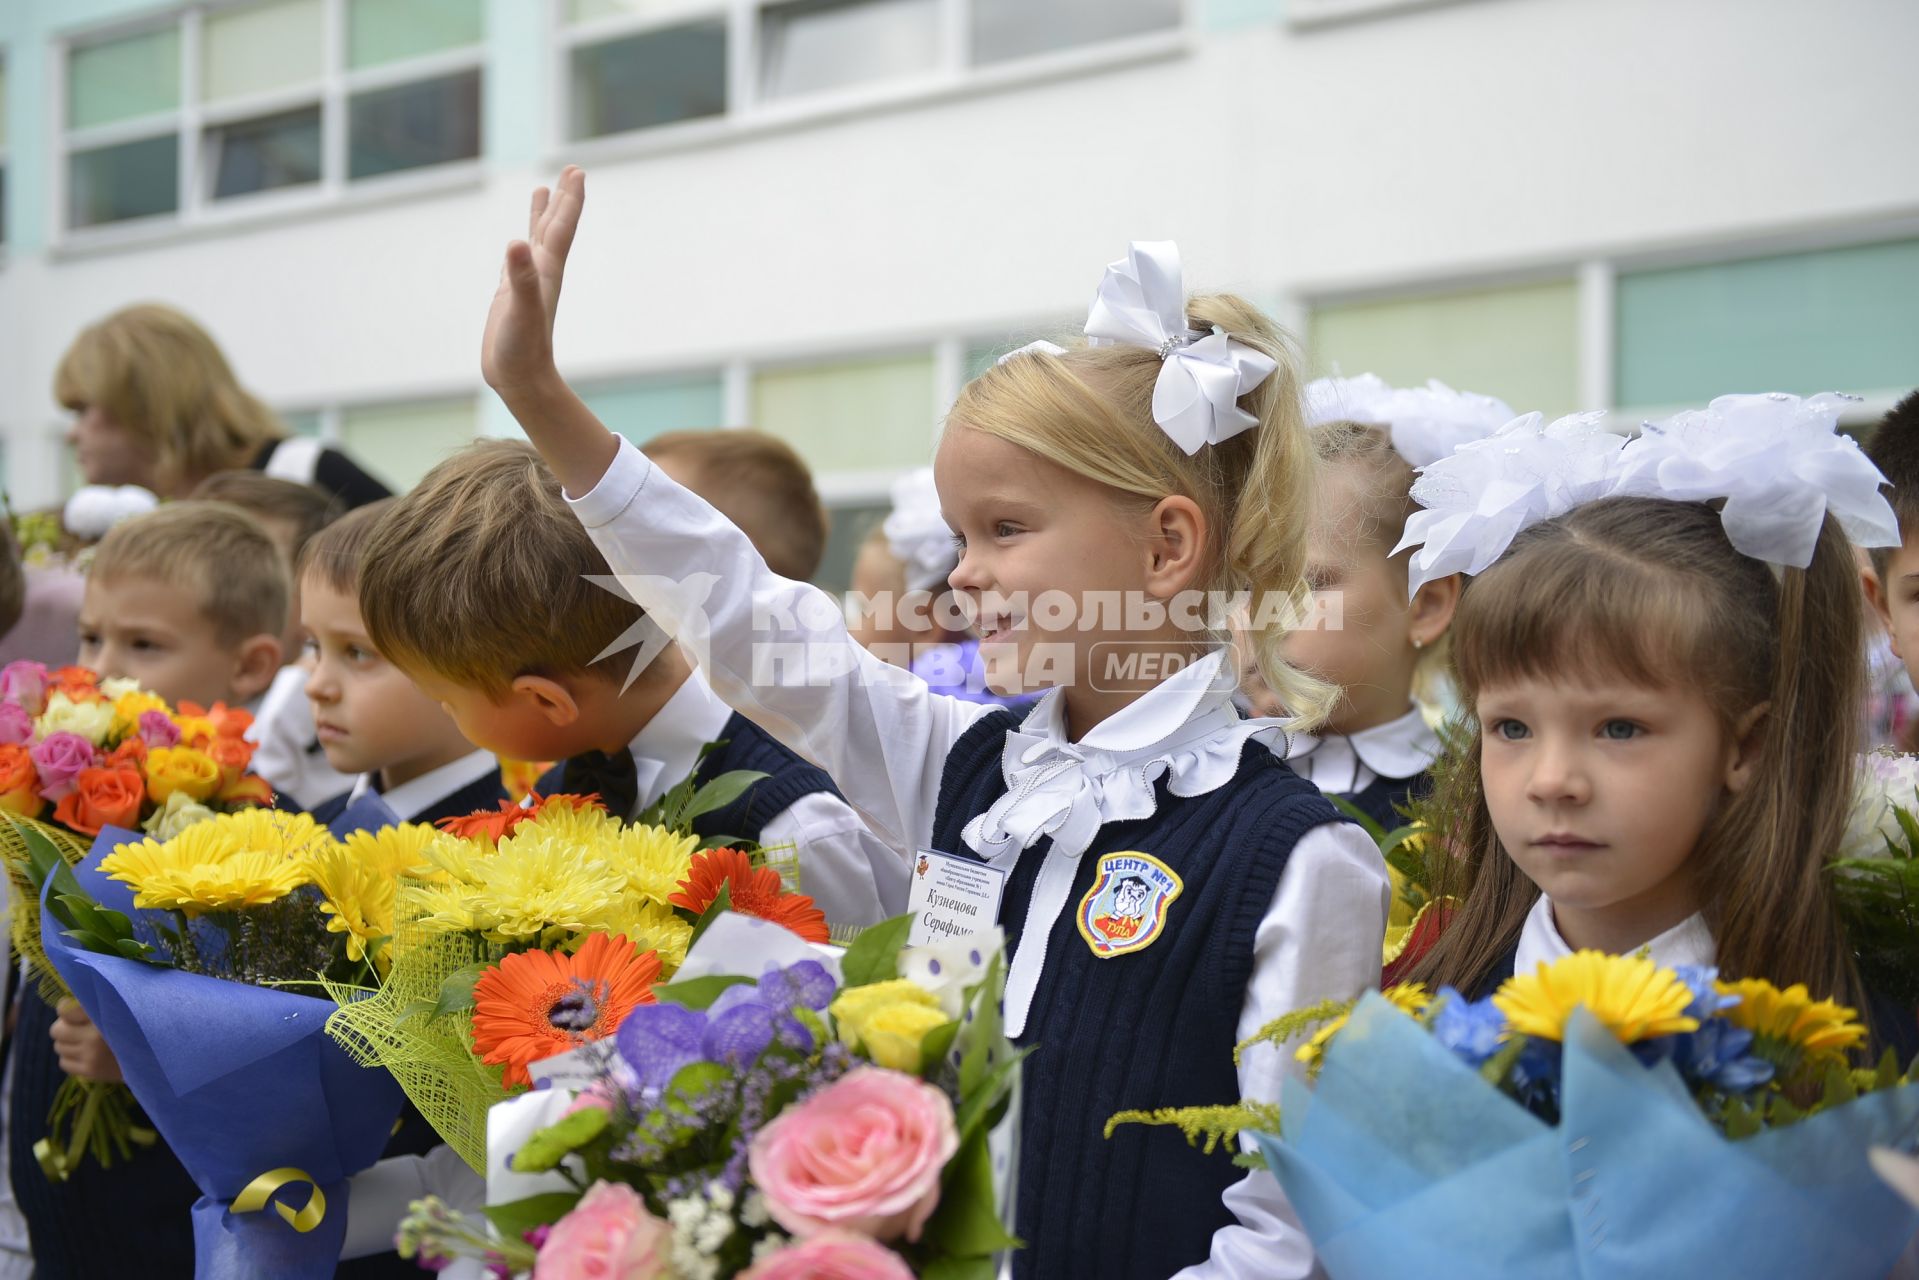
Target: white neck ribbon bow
(1141,302)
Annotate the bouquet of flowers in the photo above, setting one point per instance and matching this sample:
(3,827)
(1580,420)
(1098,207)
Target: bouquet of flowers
(532,903)
(786,1113)
(77,754)
(1877,874)
(188,954)
(1602,1116)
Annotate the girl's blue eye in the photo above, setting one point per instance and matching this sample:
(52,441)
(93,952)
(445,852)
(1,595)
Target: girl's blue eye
(1619,730)
(1511,730)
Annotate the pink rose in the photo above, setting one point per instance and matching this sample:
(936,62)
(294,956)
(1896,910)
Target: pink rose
(863,1154)
(832,1255)
(158,730)
(16,723)
(59,759)
(609,1235)
(25,683)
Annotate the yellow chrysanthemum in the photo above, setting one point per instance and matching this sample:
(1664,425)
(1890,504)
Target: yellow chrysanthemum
(1818,1027)
(400,850)
(1411,999)
(651,927)
(559,817)
(176,876)
(535,882)
(357,896)
(1633,997)
(653,860)
(443,908)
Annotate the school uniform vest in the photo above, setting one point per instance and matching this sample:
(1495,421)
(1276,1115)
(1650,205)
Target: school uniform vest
(1149,1028)
(1384,799)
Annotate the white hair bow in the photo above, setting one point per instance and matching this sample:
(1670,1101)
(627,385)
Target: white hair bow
(1425,423)
(1141,302)
(917,534)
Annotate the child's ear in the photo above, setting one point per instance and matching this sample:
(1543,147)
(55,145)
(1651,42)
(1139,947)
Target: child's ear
(1175,541)
(1748,737)
(1432,610)
(549,698)
(1876,600)
(257,662)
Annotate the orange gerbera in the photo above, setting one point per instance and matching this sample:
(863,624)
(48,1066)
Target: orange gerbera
(755,891)
(490,825)
(535,1004)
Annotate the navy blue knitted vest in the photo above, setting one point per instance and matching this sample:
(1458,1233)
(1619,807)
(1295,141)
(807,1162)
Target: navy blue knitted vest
(1383,798)
(744,745)
(1152,1028)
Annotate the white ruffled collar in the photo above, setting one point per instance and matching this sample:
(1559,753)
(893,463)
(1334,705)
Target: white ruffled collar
(1185,730)
(1401,748)
(1688,942)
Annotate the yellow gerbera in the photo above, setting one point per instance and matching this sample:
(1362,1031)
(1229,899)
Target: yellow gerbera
(653,860)
(1819,1027)
(1410,998)
(291,835)
(651,927)
(1632,996)
(176,876)
(400,850)
(357,896)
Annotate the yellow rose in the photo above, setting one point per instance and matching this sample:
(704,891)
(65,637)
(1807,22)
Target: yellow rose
(888,1021)
(91,720)
(128,706)
(171,769)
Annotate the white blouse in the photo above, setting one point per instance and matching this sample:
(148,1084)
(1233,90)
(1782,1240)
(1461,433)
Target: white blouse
(1345,763)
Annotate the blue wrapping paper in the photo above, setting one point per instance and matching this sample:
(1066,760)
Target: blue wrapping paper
(1403,1162)
(369,813)
(239,1080)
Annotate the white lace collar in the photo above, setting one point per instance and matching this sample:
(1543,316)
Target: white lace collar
(1401,748)
(1185,730)
(1688,942)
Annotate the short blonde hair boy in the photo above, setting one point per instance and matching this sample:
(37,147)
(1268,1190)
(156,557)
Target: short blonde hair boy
(479,575)
(236,572)
(759,483)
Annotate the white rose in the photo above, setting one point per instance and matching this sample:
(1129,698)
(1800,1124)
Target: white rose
(91,720)
(180,812)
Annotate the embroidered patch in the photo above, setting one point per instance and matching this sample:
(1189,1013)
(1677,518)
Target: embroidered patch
(1125,910)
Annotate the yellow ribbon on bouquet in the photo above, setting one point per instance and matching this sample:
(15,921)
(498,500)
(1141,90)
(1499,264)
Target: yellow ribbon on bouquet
(256,1194)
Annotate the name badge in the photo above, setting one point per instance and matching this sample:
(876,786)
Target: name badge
(952,897)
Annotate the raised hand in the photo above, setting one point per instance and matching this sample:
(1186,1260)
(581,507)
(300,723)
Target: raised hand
(516,352)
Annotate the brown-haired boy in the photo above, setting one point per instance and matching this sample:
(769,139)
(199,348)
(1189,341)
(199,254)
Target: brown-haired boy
(1893,587)
(477,584)
(759,483)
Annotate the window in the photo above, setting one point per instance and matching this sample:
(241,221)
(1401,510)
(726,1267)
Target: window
(400,443)
(646,407)
(226,102)
(1519,343)
(643,64)
(3,152)
(848,524)
(1834,320)
(856,416)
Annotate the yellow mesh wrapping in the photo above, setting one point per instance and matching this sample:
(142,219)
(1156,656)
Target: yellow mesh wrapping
(24,907)
(394,1027)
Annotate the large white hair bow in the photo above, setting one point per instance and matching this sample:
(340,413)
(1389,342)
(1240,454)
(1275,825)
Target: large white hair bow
(917,534)
(1425,423)
(1777,461)
(1141,302)
(1781,465)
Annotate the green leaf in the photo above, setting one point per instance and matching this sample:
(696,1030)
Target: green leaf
(722,842)
(977,1105)
(1495,1069)
(951,1268)
(545,1149)
(874,956)
(699,993)
(517,1217)
(1372,828)
(1740,1120)
(46,859)
(935,1045)
(456,990)
(132,948)
(983,1040)
(720,792)
(722,903)
(966,1224)
(690,1083)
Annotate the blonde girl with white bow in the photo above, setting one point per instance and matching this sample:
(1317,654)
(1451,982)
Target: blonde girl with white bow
(1164,459)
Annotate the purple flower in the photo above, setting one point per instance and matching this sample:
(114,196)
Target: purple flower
(16,724)
(806,984)
(658,1039)
(1716,1054)
(1470,1029)
(59,760)
(1706,1000)
(25,683)
(158,730)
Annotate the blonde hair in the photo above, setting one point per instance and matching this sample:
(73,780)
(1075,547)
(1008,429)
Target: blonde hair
(759,483)
(336,552)
(1651,591)
(161,376)
(1382,502)
(479,575)
(302,507)
(218,552)
(1090,410)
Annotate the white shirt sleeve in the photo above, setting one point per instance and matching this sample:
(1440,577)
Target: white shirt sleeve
(851,874)
(377,1198)
(776,650)
(1320,940)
